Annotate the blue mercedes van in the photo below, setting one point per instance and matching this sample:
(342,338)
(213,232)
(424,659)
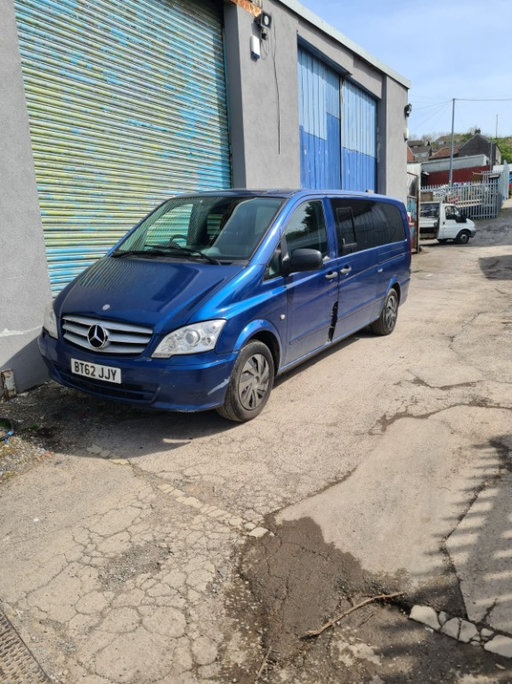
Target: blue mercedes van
(212,294)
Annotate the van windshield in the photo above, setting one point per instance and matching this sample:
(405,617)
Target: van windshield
(216,228)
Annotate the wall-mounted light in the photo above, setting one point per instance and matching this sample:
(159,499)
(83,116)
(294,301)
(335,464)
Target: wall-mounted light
(255,47)
(264,21)
(407,110)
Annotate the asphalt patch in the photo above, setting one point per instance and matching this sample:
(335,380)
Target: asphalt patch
(299,582)
(497,268)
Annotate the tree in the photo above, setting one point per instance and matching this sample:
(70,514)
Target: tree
(505,145)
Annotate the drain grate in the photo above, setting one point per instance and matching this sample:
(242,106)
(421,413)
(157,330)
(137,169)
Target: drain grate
(17,664)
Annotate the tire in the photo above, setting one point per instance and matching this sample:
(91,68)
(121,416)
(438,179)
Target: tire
(463,237)
(250,383)
(386,322)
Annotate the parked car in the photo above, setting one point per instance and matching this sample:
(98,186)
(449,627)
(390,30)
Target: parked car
(445,222)
(212,294)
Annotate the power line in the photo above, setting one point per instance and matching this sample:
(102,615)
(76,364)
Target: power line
(437,105)
(483,99)
(425,116)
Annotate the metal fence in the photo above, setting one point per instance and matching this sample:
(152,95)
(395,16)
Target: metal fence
(478,200)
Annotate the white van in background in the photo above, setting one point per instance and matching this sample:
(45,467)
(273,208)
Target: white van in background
(445,222)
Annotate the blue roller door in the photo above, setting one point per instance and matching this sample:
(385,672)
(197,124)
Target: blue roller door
(319,123)
(127,103)
(359,139)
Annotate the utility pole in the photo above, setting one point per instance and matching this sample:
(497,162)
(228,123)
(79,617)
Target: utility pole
(450,178)
(492,156)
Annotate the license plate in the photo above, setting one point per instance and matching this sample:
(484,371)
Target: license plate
(96,371)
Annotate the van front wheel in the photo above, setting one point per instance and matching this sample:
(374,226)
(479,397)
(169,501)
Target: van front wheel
(250,383)
(463,237)
(385,324)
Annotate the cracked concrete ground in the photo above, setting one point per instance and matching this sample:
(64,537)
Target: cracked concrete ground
(131,544)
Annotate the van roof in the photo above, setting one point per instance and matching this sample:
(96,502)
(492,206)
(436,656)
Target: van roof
(287,193)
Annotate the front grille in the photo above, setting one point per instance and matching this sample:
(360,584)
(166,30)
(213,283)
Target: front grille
(105,337)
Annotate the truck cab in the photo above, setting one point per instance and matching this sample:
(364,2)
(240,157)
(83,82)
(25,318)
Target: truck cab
(443,221)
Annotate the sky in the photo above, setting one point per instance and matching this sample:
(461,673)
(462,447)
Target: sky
(447,49)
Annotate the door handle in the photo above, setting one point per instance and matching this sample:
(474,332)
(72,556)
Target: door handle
(345,270)
(330,275)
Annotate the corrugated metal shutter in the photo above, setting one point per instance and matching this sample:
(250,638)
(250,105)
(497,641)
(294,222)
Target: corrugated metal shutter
(319,123)
(359,153)
(127,103)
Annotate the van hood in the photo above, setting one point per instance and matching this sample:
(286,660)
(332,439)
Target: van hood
(161,294)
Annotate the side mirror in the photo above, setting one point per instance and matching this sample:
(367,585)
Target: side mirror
(302,260)
(461,218)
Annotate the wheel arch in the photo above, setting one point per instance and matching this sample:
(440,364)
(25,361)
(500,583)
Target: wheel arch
(394,285)
(263,332)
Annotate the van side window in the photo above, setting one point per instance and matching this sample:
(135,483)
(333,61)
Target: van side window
(306,229)
(362,224)
(345,230)
(451,212)
(395,221)
(429,210)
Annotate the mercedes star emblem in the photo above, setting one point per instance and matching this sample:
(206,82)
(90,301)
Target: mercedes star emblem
(97,336)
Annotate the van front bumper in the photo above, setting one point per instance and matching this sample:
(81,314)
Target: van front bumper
(193,382)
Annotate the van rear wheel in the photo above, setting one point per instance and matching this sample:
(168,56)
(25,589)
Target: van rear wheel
(250,383)
(385,324)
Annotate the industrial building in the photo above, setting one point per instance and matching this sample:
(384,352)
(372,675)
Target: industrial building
(107,108)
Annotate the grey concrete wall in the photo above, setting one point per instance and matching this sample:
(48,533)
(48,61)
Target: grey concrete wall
(24,284)
(393,159)
(264,100)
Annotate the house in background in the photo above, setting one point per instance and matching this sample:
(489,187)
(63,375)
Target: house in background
(471,159)
(420,150)
(464,169)
(444,152)
(480,144)
(109,107)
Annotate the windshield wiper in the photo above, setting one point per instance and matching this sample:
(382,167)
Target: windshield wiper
(190,251)
(138,252)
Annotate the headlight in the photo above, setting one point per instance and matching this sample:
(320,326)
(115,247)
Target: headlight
(192,339)
(50,320)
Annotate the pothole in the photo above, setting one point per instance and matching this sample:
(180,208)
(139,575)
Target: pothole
(143,559)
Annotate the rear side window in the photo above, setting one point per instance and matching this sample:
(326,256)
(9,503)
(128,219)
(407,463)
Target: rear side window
(362,224)
(395,221)
(429,210)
